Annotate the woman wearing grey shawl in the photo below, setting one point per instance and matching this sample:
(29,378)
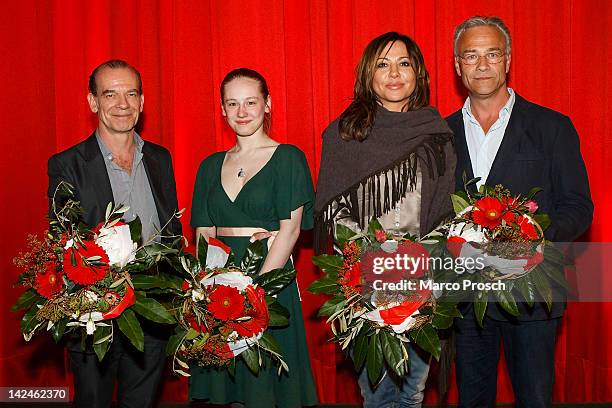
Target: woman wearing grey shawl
(388,156)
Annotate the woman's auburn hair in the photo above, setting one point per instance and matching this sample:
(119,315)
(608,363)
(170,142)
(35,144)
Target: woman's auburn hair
(358,118)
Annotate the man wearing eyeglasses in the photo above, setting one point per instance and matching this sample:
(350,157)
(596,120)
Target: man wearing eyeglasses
(504,139)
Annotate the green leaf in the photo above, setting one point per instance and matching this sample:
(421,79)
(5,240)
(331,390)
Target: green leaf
(152,310)
(202,251)
(251,262)
(275,280)
(231,368)
(325,285)
(58,329)
(526,289)
(532,193)
(543,220)
(109,209)
(332,305)
(444,315)
(174,342)
(27,299)
(279,315)
(269,342)
(556,273)
(506,301)
(160,280)
(191,334)
(373,226)
(426,338)
(360,350)
(542,285)
(251,359)
(392,351)
(101,347)
(29,321)
(343,234)
(231,260)
(129,325)
(480,306)
(459,203)
(328,263)
(374,360)
(554,255)
(135,233)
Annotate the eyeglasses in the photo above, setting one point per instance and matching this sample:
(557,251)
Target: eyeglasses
(493,57)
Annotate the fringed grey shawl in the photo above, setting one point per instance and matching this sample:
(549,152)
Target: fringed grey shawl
(397,141)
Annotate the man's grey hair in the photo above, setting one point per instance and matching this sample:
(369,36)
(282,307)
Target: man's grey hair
(478,21)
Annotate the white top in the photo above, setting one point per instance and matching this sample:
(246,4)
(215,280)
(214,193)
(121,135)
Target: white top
(483,148)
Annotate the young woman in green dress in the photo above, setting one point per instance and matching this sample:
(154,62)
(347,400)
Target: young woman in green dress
(258,189)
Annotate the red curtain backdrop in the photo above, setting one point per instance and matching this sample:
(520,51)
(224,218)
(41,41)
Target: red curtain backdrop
(307,50)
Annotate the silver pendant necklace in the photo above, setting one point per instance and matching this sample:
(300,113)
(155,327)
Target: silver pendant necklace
(241,173)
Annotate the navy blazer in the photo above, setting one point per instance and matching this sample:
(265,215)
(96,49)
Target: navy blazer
(83,166)
(540,148)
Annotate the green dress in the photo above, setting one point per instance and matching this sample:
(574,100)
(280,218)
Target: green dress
(281,186)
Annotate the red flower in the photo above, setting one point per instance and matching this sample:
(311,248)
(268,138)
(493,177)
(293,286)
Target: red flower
(528,229)
(226,303)
(49,282)
(186,285)
(454,245)
(351,276)
(488,212)
(380,235)
(219,349)
(351,251)
(201,327)
(63,239)
(510,217)
(510,203)
(259,316)
(415,250)
(85,272)
(397,315)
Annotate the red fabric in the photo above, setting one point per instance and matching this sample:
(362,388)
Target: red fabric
(308,51)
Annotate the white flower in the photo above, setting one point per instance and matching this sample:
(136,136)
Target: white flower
(118,245)
(69,244)
(90,326)
(90,296)
(232,279)
(389,246)
(197,295)
(468,231)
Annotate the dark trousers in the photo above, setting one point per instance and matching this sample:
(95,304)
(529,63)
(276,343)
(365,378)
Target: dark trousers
(137,374)
(529,348)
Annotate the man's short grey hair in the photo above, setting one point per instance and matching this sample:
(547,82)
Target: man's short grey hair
(478,21)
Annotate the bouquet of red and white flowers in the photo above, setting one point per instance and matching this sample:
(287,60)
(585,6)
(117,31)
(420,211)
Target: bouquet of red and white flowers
(374,310)
(226,309)
(500,225)
(79,279)
(505,234)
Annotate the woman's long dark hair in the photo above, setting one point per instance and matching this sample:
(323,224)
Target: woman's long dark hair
(358,118)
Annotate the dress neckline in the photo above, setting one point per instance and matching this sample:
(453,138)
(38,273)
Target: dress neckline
(249,180)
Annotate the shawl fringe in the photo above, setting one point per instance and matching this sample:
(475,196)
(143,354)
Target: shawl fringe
(430,154)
